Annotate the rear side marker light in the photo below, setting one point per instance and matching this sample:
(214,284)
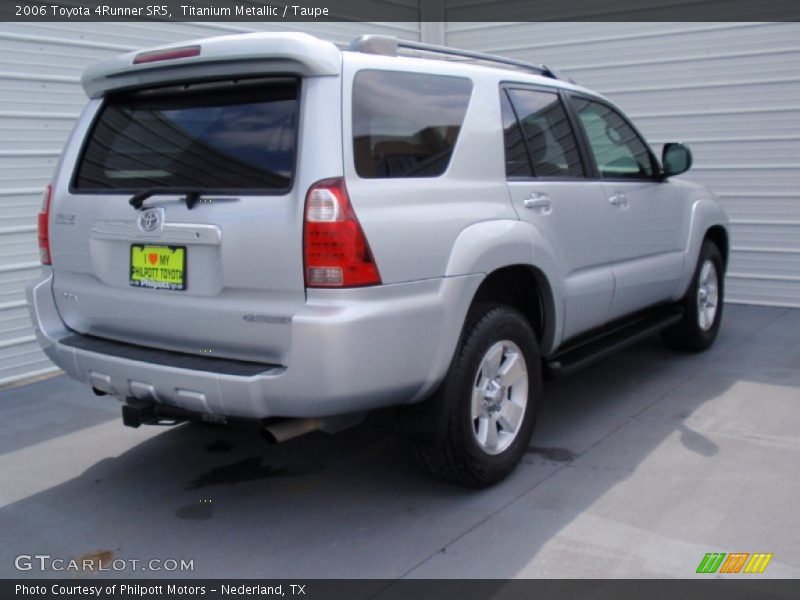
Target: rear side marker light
(168,54)
(335,248)
(43,221)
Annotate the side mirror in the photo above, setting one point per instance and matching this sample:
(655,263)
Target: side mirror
(676,158)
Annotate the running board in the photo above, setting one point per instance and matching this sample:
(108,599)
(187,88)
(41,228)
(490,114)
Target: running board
(590,349)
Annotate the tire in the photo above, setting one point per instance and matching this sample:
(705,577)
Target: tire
(703,304)
(486,437)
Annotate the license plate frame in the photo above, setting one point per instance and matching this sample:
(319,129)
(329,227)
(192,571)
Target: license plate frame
(159,282)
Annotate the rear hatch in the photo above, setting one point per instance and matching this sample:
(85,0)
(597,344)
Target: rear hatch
(179,223)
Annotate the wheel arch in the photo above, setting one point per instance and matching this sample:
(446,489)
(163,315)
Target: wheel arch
(518,267)
(516,253)
(520,285)
(719,235)
(708,221)
(527,289)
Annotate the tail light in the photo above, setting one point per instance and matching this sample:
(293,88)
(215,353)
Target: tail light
(334,245)
(44,226)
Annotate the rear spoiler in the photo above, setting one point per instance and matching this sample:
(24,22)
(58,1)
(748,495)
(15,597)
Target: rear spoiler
(224,56)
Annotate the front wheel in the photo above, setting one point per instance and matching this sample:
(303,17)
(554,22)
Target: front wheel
(492,389)
(703,304)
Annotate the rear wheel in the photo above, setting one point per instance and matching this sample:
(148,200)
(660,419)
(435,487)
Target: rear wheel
(703,304)
(492,388)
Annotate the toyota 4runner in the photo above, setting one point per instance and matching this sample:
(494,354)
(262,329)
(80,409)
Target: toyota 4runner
(268,230)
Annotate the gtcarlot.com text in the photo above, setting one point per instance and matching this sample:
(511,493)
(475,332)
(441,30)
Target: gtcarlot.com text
(47,562)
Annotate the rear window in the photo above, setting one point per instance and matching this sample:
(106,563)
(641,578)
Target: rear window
(406,124)
(213,136)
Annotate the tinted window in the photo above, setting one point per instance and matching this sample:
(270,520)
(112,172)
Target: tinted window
(406,124)
(518,163)
(207,138)
(548,135)
(618,151)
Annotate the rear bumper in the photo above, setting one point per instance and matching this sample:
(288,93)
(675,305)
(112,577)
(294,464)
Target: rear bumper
(351,350)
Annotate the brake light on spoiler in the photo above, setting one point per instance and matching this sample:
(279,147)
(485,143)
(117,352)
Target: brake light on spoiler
(167,54)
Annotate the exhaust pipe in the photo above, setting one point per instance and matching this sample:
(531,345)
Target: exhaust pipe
(286,430)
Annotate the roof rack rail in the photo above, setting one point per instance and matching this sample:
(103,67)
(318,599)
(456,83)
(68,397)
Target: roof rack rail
(388,45)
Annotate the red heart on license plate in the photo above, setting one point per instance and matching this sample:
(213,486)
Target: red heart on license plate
(153,258)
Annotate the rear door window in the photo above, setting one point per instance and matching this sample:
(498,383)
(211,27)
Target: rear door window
(221,136)
(547,133)
(406,124)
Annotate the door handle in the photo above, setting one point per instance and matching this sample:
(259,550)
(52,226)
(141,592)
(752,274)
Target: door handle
(618,199)
(539,202)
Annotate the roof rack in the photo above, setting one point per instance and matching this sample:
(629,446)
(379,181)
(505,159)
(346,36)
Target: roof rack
(388,45)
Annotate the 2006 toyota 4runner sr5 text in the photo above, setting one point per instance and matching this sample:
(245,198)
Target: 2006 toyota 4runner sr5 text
(267,230)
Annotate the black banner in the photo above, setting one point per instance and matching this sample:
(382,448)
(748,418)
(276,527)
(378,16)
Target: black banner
(399,10)
(547,589)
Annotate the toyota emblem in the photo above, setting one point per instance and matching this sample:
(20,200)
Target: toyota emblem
(150,220)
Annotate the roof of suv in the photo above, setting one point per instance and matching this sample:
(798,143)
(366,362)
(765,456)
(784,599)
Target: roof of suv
(301,53)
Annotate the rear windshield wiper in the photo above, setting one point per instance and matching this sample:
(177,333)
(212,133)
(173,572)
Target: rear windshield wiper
(191,197)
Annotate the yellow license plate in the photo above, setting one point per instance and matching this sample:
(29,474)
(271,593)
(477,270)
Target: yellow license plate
(160,267)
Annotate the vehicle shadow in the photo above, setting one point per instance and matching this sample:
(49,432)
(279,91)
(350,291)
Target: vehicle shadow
(353,505)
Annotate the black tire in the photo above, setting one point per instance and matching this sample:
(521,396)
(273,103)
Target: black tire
(688,335)
(459,458)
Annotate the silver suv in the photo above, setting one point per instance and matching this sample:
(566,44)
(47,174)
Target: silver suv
(266,230)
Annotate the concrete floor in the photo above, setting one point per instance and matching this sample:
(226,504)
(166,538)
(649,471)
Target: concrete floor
(640,465)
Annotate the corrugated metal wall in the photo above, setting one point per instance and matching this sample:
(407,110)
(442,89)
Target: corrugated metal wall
(40,96)
(730,90)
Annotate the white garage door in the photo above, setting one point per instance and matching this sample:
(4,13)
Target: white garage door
(730,90)
(40,96)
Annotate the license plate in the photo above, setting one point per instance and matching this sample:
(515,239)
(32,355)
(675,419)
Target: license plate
(160,267)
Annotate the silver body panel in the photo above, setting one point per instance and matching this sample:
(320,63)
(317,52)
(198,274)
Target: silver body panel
(434,241)
(352,350)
